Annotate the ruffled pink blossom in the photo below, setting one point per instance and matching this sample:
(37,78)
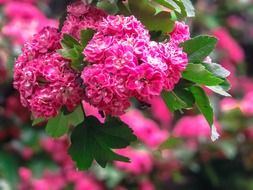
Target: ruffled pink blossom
(180,33)
(44,79)
(124,63)
(80,17)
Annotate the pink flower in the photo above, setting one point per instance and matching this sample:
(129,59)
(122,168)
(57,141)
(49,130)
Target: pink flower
(145,129)
(146,185)
(161,112)
(80,17)
(226,42)
(193,127)
(141,161)
(246,104)
(101,90)
(29,19)
(146,81)
(227,104)
(180,33)
(44,79)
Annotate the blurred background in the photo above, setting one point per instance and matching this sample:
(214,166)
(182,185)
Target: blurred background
(30,160)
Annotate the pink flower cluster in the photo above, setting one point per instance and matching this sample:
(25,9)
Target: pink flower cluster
(44,79)
(125,63)
(81,17)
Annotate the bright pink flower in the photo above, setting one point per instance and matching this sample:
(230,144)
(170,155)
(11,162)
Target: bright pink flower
(226,42)
(101,90)
(80,17)
(193,127)
(146,82)
(13,11)
(227,104)
(141,161)
(246,104)
(180,33)
(29,20)
(44,79)
(92,111)
(145,129)
(161,112)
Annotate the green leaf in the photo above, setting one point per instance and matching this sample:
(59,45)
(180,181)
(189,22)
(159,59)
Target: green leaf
(203,103)
(147,15)
(68,41)
(199,48)
(171,142)
(185,95)
(109,7)
(217,69)
(199,74)
(57,126)
(173,101)
(219,90)
(92,140)
(123,8)
(76,117)
(86,36)
(38,121)
(186,7)
(169,4)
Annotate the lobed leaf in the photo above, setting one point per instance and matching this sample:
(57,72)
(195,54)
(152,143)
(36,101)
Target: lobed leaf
(92,140)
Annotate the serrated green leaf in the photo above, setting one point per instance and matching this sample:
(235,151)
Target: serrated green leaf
(57,126)
(217,69)
(203,103)
(80,149)
(86,36)
(92,140)
(199,48)
(147,15)
(197,73)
